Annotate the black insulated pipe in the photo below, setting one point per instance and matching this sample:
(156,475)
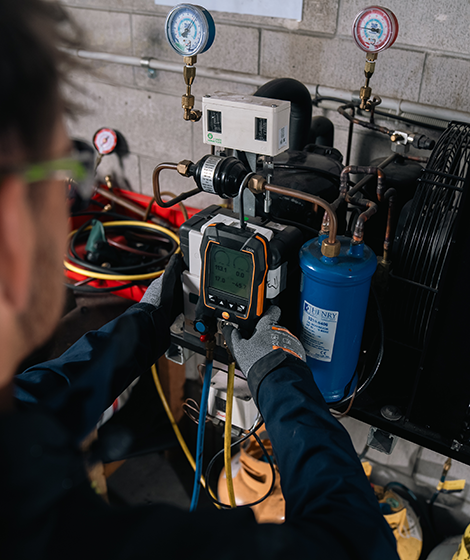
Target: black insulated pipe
(294,91)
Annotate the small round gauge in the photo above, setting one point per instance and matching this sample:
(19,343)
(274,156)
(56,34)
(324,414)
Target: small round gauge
(375,29)
(105,141)
(189,29)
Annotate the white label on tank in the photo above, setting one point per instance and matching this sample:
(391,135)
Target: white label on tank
(318,331)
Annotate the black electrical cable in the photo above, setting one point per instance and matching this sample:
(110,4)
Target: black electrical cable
(75,257)
(238,442)
(107,289)
(327,174)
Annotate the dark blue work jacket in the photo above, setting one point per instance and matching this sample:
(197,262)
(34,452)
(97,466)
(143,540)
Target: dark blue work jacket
(48,509)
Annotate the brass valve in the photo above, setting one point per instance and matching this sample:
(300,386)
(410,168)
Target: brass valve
(366,90)
(187,101)
(329,249)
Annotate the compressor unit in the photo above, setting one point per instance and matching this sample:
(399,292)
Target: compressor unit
(301,234)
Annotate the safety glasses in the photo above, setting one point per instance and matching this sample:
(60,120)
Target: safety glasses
(76,170)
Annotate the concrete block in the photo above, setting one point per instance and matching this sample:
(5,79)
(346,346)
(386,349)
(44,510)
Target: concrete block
(318,16)
(235,48)
(173,182)
(105,31)
(173,83)
(149,39)
(110,73)
(434,24)
(122,5)
(445,82)
(146,119)
(338,63)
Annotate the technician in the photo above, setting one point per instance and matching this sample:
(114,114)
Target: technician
(47,507)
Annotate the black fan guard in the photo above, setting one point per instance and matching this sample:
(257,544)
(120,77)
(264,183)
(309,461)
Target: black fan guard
(423,246)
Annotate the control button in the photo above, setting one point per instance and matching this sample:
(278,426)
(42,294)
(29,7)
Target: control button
(200,326)
(241,308)
(221,302)
(211,298)
(226,315)
(232,306)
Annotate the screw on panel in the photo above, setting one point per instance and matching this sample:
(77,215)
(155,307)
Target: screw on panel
(391,412)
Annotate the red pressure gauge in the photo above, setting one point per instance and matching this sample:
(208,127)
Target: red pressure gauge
(375,29)
(105,141)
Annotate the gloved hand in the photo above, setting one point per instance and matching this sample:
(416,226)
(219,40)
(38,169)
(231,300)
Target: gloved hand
(268,347)
(166,291)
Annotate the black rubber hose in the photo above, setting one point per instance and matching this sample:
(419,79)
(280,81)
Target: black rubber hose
(294,91)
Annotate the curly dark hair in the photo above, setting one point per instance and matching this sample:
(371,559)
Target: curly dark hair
(34,68)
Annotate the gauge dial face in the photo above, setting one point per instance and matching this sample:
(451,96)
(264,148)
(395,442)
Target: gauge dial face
(189,29)
(375,29)
(105,141)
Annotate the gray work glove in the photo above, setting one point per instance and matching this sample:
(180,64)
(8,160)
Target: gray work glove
(166,291)
(268,347)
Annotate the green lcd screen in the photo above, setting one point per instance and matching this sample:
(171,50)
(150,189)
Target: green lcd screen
(230,271)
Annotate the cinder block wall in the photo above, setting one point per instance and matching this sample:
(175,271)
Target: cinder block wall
(429,63)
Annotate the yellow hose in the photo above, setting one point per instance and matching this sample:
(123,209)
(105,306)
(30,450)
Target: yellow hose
(123,277)
(228,434)
(178,434)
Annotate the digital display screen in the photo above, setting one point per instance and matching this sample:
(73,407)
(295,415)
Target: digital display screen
(230,271)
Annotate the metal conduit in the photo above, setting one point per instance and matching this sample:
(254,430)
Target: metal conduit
(399,106)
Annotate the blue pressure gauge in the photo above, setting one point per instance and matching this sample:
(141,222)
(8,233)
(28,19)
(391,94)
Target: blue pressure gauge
(189,29)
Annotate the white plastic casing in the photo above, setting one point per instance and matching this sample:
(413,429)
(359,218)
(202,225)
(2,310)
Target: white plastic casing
(245,122)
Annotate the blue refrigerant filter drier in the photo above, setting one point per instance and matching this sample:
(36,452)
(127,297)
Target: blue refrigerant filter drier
(334,296)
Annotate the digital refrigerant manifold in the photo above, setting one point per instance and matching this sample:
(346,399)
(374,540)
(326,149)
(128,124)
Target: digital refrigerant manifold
(234,273)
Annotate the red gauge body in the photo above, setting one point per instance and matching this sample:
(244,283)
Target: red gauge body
(375,29)
(105,141)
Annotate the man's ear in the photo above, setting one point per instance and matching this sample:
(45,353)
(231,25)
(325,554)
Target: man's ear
(16,243)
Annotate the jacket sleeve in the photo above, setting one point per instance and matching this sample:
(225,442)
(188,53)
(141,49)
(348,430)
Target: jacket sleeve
(322,480)
(79,385)
(331,510)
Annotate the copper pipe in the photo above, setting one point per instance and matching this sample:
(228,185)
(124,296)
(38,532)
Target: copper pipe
(390,196)
(156,186)
(121,201)
(358,235)
(355,169)
(367,178)
(333,221)
(419,159)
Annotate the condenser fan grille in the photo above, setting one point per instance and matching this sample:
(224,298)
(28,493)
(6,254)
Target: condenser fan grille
(422,249)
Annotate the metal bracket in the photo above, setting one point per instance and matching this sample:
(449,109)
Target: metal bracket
(381,441)
(145,63)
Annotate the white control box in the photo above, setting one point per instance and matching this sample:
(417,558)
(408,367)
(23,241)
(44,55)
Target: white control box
(245,122)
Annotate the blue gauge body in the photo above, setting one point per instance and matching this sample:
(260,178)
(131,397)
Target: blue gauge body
(190,29)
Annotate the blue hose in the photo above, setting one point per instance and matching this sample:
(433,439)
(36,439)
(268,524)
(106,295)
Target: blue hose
(200,435)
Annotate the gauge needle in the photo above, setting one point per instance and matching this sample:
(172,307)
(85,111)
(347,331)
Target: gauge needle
(373,29)
(188,27)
